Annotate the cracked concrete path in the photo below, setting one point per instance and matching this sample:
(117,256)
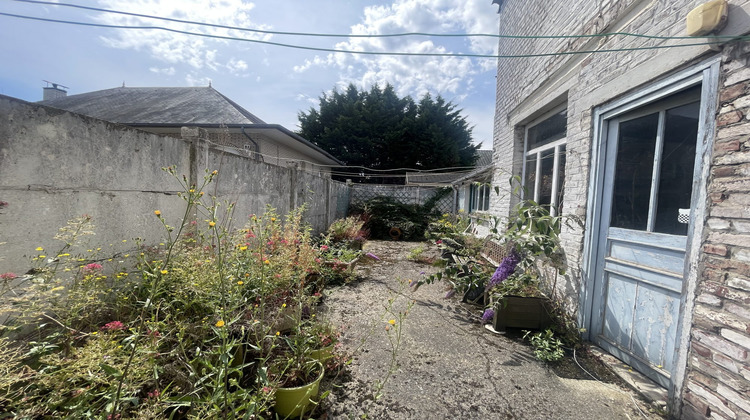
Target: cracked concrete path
(448,366)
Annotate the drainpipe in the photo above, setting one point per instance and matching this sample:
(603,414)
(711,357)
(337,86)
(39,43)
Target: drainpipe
(257,156)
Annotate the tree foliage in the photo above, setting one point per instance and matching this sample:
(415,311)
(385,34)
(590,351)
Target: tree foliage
(378,129)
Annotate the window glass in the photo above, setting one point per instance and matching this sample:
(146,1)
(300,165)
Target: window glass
(545,184)
(530,179)
(560,179)
(677,162)
(549,130)
(633,171)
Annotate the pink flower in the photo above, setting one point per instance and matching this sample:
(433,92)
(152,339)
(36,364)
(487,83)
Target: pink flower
(439,241)
(8,276)
(154,394)
(324,247)
(92,267)
(114,326)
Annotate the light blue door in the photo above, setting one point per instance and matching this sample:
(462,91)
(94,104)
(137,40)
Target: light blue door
(646,207)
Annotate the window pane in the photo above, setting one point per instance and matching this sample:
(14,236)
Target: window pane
(545,186)
(561,180)
(486,203)
(678,159)
(549,130)
(633,170)
(530,179)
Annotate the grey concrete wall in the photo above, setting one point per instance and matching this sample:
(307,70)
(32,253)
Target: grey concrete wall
(56,165)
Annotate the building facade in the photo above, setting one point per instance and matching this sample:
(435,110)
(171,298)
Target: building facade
(642,133)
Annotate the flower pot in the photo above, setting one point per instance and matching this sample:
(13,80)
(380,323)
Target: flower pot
(293,402)
(475,295)
(323,354)
(521,312)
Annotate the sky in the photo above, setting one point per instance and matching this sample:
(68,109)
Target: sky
(275,83)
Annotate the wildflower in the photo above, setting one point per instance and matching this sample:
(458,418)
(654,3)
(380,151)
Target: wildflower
(240,282)
(157,212)
(42,256)
(266,262)
(201,194)
(39,248)
(8,276)
(243,248)
(214,172)
(392,322)
(283,305)
(273,219)
(114,326)
(212,223)
(373,256)
(57,289)
(505,269)
(324,247)
(278,333)
(164,272)
(220,323)
(488,315)
(94,333)
(92,267)
(439,241)
(154,394)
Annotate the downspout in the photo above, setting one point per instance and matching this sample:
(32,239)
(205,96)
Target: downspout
(257,156)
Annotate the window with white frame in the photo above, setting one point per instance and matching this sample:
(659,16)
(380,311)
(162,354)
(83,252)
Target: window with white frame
(479,197)
(544,160)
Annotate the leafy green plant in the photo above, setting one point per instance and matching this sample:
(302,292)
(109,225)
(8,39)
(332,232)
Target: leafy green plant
(547,347)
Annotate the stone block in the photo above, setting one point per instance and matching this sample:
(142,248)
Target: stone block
(720,250)
(738,283)
(733,92)
(726,362)
(734,397)
(721,345)
(714,401)
(729,118)
(736,337)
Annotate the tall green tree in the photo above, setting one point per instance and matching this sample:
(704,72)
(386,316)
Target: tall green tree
(378,129)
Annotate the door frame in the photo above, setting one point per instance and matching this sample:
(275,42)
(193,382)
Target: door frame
(707,74)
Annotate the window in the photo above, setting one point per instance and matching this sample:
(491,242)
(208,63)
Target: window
(479,197)
(544,160)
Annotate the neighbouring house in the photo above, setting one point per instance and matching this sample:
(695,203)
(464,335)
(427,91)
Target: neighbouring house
(647,138)
(474,188)
(165,110)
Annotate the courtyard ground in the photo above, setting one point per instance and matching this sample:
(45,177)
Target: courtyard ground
(447,365)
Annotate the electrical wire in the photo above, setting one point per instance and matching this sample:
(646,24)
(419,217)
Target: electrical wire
(393,35)
(384,53)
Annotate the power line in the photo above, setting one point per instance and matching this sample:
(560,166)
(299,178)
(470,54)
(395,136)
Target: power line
(332,50)
(393,35)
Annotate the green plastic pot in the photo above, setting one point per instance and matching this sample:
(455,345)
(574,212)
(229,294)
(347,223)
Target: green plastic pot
(293,402)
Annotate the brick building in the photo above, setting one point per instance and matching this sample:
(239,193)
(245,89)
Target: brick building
(646,138)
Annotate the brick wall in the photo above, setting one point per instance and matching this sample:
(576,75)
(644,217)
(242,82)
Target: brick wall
(718,383)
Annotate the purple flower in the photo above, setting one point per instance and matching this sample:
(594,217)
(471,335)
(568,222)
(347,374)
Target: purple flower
(450,293)
(505,269)
(488,315)
(373,256)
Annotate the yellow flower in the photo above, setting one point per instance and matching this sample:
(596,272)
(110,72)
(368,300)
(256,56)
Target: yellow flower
(57,289)
(220,323)
(212,224)
(191,190)
(95,333)
(39,248)
(214,172)
(42,256)
(283,305)
(164,271)
(278,333)
(157,212)
(392,322)
(243,248)
(201,194)
(266,262)
(240,282)
(273,219)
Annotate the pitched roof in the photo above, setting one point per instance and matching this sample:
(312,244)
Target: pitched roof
(484,159)
(157,106)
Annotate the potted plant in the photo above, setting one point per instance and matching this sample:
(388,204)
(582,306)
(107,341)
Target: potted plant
(297,377)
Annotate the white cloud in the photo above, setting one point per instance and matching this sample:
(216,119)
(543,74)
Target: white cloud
(193,80)
(236,66)
(452,77)
(169,71)
(177,48)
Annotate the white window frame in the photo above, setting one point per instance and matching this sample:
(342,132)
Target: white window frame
(537,152)
(479,194)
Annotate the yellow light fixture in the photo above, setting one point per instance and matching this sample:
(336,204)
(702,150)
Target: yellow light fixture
(708,17)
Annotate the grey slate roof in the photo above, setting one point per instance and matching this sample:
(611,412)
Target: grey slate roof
(485,158)
(157,106)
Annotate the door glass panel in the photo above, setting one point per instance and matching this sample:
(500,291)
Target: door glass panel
(545,186)
(633,170)
(678,160)
(530,180)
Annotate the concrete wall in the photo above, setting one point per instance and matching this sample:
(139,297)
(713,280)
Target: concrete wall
(56,165)
(716,381)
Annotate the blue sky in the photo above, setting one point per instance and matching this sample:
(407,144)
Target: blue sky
(274,83)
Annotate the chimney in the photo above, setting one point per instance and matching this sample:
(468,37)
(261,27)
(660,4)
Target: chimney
(55,91)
